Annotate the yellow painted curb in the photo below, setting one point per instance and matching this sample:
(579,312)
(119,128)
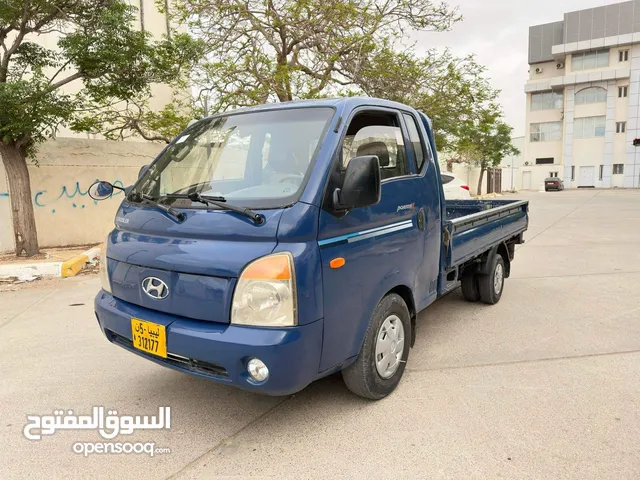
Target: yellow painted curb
(72,266)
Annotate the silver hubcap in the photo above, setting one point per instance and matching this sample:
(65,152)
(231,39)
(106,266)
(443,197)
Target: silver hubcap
(498,278)
(389,346)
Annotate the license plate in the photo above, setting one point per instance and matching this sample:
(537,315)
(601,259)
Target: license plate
(149,337)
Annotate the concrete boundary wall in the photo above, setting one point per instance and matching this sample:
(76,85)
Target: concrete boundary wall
(65,214)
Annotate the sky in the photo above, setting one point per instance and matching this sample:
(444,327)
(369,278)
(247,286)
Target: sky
(497,33)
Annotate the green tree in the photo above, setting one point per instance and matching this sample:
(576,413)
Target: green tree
(487,140)
(261,51)
(453,91)
(280,50)
(98,49)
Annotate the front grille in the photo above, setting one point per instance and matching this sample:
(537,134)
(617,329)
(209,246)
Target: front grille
(183,363)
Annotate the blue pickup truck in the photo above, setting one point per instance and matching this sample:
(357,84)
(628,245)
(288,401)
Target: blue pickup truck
(268,247)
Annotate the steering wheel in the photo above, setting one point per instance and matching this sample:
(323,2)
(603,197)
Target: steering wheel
(294,176)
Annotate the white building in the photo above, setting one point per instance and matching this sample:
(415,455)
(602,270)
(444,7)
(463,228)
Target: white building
(583,99)
(511,166)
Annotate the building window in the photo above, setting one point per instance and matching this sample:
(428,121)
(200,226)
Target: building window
(622,92)
(623,55)
(621,127)
(587,127)
(573,173)
(589,60)
(546,132)
(544,161)
(591,95)
(553,174)
(618,168)
(546,100)
(601,172)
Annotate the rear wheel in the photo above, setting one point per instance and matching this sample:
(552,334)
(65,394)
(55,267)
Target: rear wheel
(491,285)
(469,284)
(383,356)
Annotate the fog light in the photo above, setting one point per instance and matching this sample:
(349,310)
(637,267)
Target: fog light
(258,370)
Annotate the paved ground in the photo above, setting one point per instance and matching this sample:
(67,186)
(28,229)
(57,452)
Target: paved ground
(546,384)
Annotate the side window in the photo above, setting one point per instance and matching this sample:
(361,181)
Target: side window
(414,136)
(376,134)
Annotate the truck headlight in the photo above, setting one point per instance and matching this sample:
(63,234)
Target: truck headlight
(104,273)
(266,293)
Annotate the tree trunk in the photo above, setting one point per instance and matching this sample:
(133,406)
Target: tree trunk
(479,191)
(24,222)
(282,85)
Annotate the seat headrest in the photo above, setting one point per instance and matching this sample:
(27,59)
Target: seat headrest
(379,149)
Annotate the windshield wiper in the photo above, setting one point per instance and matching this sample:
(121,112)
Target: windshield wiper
(141,197)
(220,202)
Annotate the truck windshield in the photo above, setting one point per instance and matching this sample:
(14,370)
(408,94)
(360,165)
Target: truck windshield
(254,159)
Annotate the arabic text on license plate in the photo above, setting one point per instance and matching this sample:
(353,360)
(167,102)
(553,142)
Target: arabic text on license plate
(149,337)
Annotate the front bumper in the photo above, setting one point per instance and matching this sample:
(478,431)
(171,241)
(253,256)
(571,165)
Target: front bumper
(220,351)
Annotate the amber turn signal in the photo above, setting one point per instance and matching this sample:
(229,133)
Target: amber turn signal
(337,262)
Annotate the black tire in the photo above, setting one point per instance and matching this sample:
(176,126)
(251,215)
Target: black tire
(362,377)
(488,292)
(469,284)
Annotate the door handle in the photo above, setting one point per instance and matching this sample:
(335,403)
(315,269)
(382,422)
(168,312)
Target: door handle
(422,221)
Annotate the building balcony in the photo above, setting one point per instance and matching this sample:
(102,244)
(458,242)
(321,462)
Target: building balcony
(559,82)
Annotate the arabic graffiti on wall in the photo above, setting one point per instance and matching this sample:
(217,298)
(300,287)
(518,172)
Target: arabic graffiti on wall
(78,196)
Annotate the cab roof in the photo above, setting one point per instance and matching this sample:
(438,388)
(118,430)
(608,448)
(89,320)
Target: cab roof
(349,102)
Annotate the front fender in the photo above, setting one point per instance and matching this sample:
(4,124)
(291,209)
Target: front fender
(393,280)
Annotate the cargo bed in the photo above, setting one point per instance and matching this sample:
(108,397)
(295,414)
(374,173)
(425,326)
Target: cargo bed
(475,226)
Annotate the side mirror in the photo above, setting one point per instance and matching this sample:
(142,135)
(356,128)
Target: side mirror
(101,190)
(143,170)
(361,186)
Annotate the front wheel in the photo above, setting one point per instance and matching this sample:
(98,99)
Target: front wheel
(383,356)
(491,285)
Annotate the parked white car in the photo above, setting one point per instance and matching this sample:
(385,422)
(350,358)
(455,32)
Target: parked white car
(454,188)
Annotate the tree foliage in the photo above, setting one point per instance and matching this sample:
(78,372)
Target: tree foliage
(452,91)
(134,118)
(486,140)
(98,46)
(100,57)
(280,50)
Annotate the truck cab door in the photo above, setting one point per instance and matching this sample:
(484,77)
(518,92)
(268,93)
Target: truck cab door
(382,245)
(430,198)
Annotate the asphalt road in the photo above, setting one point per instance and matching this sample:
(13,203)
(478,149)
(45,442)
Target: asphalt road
(544,385)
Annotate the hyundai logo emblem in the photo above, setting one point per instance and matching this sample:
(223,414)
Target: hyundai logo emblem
(155,288)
